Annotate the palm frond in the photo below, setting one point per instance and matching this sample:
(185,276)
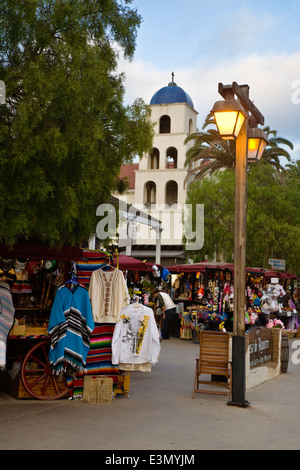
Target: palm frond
(213,153)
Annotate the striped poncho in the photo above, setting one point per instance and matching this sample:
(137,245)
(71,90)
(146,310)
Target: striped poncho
(7,312)
(70,326)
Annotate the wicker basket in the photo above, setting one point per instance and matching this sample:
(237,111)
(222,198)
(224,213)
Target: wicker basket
(290,334)
(97,389)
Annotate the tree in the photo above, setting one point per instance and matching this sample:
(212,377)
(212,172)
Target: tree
(293,171)
(211,153)
(273,217)
(216,193)
(273,152)
(64,131)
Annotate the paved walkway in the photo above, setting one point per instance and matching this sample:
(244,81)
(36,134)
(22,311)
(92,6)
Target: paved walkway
(160,414)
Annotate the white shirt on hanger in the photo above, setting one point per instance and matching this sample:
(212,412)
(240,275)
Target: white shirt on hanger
(136,337)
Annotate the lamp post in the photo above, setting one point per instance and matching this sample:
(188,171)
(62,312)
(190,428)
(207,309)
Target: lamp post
(239,111)
(257,141)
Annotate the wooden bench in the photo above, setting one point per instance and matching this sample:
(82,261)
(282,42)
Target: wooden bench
(214,359)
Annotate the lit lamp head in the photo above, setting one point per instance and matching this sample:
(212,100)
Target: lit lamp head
(257,142)
(229,116)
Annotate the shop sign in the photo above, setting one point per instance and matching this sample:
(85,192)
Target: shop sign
(277,264)
(260,346)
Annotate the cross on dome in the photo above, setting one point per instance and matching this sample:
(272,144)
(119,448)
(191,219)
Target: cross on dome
(171,94)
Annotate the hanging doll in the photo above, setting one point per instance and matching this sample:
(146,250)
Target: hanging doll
(200,292)
(226,291)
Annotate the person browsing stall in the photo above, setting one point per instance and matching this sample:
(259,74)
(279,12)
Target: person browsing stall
(168,311)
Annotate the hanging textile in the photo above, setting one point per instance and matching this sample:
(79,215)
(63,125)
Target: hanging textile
(7,313)
(93,260)
(98,361)
(136,344)
(109,294)
(21,284)
(70,326)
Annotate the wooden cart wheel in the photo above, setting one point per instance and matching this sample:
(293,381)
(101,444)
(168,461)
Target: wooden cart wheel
(37,376)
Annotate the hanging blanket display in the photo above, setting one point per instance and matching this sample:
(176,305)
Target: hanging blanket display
(98,361)
(7,313)
(109,294)
(136,343)
(93,260)
(70,326)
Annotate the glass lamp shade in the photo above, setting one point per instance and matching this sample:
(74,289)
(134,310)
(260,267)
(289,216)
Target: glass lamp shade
(257,142)
(229,116)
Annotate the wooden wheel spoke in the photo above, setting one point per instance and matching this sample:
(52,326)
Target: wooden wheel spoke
(37,380)
(45,353)
(46,385)
(31,371)
(36,359)
(55,384)
(40,382)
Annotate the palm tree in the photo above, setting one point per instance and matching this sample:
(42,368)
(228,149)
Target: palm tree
(273,151)
(293,170)
(210,152)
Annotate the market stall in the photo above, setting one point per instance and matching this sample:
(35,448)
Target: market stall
(203,293)
(29,277)
(142,277)
(55,296)
(272,299)
(204,296)
(110,291)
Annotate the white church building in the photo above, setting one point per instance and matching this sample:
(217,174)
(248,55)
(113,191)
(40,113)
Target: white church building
(156,183)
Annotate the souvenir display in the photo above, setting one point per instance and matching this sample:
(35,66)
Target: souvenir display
(7,312)
(208,298)
(99,317)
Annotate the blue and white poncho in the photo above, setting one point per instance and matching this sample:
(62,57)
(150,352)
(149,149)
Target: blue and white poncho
(70,326)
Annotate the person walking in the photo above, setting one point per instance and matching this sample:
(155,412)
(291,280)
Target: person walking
(168,311)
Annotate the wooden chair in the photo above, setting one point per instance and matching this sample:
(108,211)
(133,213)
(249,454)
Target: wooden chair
(214,359)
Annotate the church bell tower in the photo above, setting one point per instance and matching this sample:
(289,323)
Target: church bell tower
(159,181)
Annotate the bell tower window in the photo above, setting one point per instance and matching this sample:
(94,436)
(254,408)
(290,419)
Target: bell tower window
(165,124)
(171,158)
(171,193)
(153,162)
(149,193)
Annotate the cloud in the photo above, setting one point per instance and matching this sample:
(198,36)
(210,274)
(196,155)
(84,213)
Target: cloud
(239,30)
(273,81)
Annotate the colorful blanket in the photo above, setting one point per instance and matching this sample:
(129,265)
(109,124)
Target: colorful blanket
(92,260)
(70,326)
(98,361)
(7,312)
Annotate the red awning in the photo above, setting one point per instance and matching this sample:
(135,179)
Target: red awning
(270,273)
(200,267)
(130,263)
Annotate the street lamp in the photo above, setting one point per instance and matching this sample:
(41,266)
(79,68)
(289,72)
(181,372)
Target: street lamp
(229,116)
(257,141)
(240,131)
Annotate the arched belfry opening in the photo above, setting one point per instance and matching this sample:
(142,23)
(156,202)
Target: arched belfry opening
(171,158)
(165,124)
(153,162)
(171,193)
(149,193)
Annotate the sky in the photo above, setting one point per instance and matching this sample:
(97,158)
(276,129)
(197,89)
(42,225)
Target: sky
(207,42)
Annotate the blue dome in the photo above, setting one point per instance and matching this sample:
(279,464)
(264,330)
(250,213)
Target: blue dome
(171,94)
